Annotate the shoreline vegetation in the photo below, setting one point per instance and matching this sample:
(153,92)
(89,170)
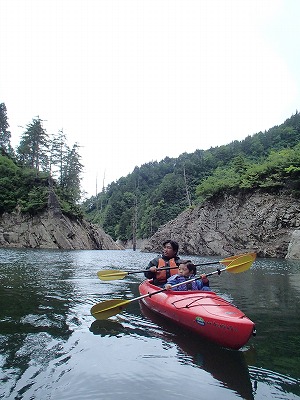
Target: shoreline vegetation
(42,170)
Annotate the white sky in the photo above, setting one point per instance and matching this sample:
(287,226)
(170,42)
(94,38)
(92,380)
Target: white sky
(134,81)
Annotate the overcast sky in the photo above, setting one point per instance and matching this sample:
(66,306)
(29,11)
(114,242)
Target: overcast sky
(134,81)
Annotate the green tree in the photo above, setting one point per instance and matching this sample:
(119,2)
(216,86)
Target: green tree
(21,187)
(71,171)
(5,135)
(266,161)
(59,152)
(33,148)
(9,182)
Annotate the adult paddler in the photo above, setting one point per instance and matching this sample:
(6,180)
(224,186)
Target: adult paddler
(169,258)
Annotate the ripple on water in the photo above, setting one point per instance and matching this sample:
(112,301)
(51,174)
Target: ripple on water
(52,348)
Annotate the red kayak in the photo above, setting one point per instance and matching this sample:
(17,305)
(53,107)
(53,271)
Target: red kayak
(203,312)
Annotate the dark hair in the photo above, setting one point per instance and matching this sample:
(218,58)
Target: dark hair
(190,266)
(174,245)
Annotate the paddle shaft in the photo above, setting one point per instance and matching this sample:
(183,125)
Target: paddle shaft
(177,284)
(228,260)
(113,273)
(162,269)
(112,307)
(110,274)
(125,302)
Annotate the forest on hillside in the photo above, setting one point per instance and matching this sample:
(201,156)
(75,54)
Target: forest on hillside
(40,163)
(136,206)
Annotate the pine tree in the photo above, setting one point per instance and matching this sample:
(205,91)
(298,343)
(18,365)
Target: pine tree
(5,135)
(33,148)
(58,155)
(70,179)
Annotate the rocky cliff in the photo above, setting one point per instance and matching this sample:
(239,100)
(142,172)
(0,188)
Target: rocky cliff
(263,223)
(52,230)
(48,232)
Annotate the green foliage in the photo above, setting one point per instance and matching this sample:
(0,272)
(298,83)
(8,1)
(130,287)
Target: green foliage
(5,146)
(33,149)
(36,201)
(9,180)
(73,211)
(21,187)
(26,180)
(70,177)
(279,170)
(223,179)
(265,161)
(154,193)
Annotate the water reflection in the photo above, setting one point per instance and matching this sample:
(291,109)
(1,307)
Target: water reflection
(36,295)
(228,367)
(49,339)
(235,370)
(108,328)
(274,385)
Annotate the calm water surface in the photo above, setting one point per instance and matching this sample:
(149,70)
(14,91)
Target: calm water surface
(52,348)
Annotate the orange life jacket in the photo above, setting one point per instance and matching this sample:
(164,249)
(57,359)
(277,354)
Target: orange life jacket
(161,276)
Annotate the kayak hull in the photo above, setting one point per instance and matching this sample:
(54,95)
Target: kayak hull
(203,312)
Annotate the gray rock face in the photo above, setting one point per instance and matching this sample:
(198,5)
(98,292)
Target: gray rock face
(294,246)
(263,223)
(52,230)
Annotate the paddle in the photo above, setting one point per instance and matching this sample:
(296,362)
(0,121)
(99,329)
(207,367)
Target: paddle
(108,308)
(111,274)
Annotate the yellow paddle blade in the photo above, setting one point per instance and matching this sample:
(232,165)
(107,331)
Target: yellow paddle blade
(241,264)
(228,260)
(111,275)
(108,308)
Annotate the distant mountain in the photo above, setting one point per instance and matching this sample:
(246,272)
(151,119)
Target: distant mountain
(136,206)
